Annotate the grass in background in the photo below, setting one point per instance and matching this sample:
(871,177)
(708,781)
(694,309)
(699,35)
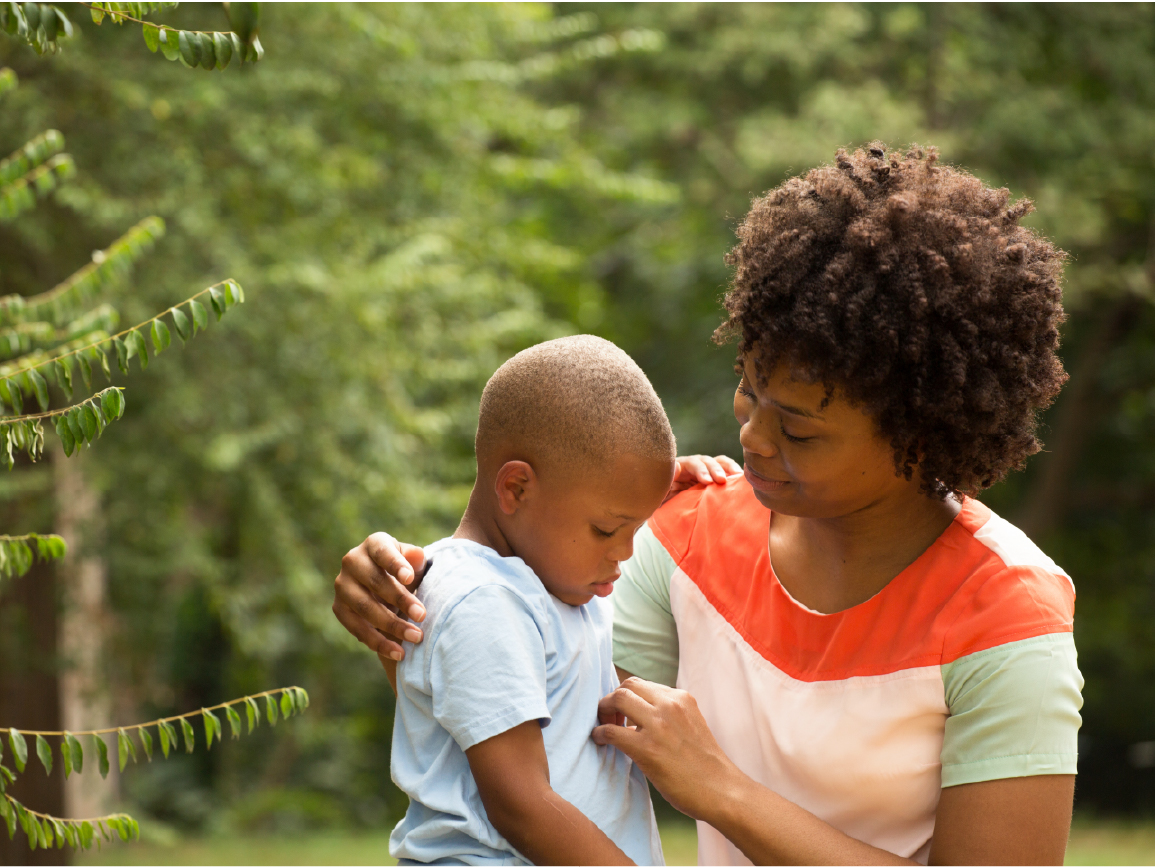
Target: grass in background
(1093,841)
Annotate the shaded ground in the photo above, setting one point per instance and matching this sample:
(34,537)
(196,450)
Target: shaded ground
(1092,842)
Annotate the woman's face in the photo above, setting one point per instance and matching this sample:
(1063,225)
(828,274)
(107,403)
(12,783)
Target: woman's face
(809,455)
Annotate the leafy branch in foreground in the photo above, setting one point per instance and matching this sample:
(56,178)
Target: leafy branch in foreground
(38,24)
(207,49)
(43,829)
(16,552)
(83,422)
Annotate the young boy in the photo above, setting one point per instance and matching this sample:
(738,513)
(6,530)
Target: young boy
(495,707)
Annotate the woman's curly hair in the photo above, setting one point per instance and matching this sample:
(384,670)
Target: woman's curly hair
(911,289)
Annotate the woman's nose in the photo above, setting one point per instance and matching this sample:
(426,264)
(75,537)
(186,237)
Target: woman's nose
(754,440)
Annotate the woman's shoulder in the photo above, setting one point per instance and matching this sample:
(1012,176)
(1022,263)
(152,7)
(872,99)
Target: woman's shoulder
(712,514)
(1007,589)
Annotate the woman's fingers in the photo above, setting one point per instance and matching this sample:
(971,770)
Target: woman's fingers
(703,469)
(363,631)
(731,466)
(383,566)
(396,564)
(626,701)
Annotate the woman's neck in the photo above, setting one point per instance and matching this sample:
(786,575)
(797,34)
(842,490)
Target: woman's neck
(831,564)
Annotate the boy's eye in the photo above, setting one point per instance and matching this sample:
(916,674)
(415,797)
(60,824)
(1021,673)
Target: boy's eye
(605,534)
(744,389)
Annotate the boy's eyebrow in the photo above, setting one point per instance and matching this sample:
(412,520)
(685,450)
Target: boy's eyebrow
(620,516)
(796,410)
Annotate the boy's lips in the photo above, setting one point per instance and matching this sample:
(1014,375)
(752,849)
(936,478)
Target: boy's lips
(605,588)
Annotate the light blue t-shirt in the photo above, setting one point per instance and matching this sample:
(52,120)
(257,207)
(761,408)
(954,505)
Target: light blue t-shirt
(499,650)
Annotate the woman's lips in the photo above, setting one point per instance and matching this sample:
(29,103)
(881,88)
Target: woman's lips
(761,483)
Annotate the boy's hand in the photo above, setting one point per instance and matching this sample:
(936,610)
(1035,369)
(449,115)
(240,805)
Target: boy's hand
(512,776)
(371,590)
(701,470)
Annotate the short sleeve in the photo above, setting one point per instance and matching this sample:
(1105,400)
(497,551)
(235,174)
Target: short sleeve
(1014,711)
(645,636)
(487,667)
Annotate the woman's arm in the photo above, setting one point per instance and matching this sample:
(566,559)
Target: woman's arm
(377,580)
(679,755)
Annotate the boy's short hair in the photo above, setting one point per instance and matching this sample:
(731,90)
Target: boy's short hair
(575,399)
(912,289)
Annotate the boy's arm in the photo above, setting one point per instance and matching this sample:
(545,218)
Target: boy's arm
(512,775)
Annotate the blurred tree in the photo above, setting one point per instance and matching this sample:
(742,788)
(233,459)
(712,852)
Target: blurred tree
(415,192)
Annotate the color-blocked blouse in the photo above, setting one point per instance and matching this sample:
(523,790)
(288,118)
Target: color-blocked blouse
(961,669)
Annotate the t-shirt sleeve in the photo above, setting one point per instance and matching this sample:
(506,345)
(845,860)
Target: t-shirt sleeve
(645,636)
(487,667)
(1014,711)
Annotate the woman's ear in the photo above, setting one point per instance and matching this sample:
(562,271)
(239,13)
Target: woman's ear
(516,483)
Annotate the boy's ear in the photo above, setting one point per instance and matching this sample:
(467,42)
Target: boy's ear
(515,484)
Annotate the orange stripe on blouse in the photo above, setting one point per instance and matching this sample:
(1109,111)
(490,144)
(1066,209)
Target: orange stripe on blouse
(960,596)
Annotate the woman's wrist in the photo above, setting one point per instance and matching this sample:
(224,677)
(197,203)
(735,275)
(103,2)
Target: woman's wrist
(726,795)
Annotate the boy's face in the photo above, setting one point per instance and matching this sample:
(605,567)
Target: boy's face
(578,526)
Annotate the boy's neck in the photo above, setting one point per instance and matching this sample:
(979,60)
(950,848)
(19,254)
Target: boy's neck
(479,524)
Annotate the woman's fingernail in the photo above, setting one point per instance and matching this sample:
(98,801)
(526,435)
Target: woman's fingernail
(412,636)
(396,654)
(416,612)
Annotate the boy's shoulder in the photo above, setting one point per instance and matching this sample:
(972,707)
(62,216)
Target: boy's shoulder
(458,568)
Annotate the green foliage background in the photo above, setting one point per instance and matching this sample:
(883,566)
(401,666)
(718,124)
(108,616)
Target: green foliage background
(410,193)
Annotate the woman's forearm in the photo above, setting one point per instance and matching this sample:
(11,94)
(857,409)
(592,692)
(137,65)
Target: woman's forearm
(769,829)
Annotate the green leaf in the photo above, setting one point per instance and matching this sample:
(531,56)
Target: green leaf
(199,314)
(136,342)
(189,736)
(121,354)
(67,440)
(218,301)
(169,44)
(244,18)
(86,834)
(223,48)
(101,754)
(208,51)
(151,36)
(302,697)
(252,712)
(124,748)
(10,817)
(145,741)
(286,704)
(256,51)
(190,48)
(44,753)
(40,387)
(11,394)
(160,337)
(234,294)
(74,750)
(167,737)
(234,721)
(112,402)
(212,727)
(103,363)
(19,749)
(85,371)
(88,422)
(182,324)
(73,418)
(271,710)
(63,376)
(97,14)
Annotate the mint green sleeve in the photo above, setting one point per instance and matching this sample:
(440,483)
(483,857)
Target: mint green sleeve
(645,637)
(1014,711)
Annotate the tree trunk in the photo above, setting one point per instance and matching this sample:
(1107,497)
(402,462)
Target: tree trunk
(28,681)
(85,701)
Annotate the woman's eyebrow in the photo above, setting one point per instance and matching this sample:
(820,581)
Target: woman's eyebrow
(796,410)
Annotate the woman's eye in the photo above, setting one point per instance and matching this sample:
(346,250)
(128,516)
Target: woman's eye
(793,438)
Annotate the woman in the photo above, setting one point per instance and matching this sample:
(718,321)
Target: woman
(872,667)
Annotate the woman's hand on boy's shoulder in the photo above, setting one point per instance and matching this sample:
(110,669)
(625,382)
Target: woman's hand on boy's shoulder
(701,470)
(376,583)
